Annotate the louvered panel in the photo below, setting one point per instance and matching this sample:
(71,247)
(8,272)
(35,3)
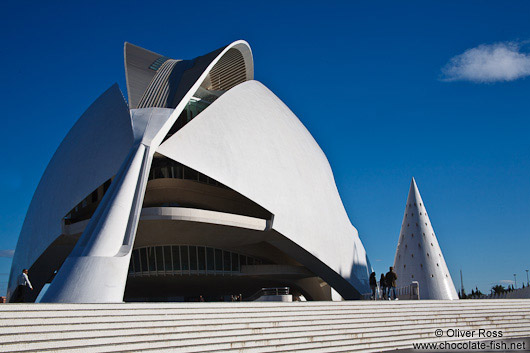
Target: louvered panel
(157,93)
(228,72)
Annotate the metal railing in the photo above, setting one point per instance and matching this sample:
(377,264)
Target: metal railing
(268,291)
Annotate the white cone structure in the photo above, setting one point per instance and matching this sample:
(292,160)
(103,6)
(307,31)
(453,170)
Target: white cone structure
(418,255)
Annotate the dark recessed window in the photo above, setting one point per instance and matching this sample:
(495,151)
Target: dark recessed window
(143,258)
(151,259)
(106,185)
(210,265)
(167,258)
(235,262)
(159,258)
(226,260)
(94,196)
(136,259)
(193,258)
(218,260)
(201,253)
(184,257)
(175,251)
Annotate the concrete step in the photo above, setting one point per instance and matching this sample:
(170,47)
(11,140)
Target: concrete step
(56,333)
(262,305)
(254,323)
(279,343)
(190,320)
(250,327)
(241,338)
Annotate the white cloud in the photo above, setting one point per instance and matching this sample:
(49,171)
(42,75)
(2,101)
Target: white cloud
(7,253)
(488,63)
(506,281)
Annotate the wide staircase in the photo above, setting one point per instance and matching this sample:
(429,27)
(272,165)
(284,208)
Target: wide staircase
(252,327)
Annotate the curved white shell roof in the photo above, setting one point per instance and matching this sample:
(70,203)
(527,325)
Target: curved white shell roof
(249,140)
(90,154)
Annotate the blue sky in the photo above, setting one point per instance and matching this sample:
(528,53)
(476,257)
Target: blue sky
(390,90)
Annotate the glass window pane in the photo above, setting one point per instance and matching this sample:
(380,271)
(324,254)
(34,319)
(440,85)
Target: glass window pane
(165,172)
(131,267)
(136,258)
(151,258)
(184,256)
(202,258)
(193,258)
(190,174)
(95,196)
(167,258)
(159,259)
(178,171)
(143,257)
(235,262)
(218,260)
(176,258)
(226,260)
(209,259)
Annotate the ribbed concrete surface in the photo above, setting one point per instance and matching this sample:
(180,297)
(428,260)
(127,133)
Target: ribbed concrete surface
(251,327)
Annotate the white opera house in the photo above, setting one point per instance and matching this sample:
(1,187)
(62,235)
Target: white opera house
(203,184)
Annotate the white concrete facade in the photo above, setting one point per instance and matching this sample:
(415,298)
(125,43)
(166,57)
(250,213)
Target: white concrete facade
(246,139)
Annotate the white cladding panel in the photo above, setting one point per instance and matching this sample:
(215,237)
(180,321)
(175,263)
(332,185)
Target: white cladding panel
(90,154)
(249,140)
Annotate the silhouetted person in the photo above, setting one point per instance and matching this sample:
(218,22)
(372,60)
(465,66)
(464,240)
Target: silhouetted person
(391,277)
(382,285)
(373,285)
(23,285)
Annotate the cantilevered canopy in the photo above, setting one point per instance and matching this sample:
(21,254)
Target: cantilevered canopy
(154,80)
